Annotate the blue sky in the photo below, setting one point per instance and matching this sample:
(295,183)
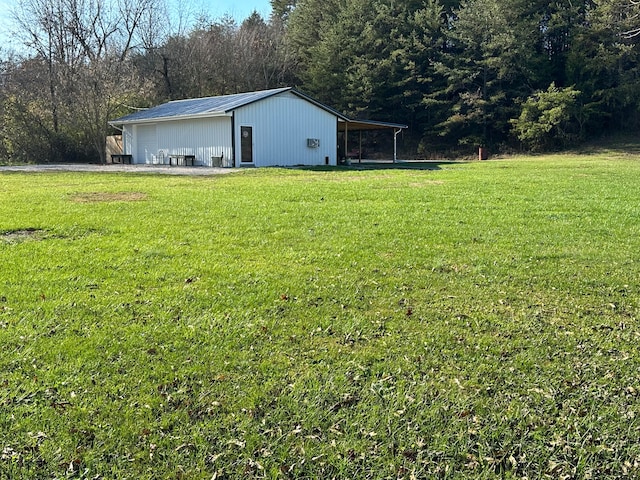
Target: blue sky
(238,9)
(5,9)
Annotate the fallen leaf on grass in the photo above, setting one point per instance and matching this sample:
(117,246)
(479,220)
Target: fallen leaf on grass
(185,446)
(237,443)
(37,436)
(60,406)
(9,453)
(74,466)
(214,458)
(347,401)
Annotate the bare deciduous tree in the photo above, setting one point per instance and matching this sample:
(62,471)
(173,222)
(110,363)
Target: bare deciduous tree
(86,46)
(633,15)
(221,57)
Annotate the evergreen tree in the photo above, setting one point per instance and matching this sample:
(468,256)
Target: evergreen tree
(546,118)
(603,63)
(491,64)
(281,9)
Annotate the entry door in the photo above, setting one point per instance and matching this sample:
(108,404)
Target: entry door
(246,144)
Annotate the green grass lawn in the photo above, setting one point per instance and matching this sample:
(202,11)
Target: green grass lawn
(475,321)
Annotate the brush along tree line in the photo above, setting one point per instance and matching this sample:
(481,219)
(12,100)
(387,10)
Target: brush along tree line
(504,74)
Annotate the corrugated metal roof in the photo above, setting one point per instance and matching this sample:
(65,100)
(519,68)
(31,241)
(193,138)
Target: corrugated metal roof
(211,106)
(198,106)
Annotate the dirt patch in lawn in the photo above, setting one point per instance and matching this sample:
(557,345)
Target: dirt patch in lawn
(22,235)
(95,197)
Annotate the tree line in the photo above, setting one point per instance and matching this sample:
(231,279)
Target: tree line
(503,74)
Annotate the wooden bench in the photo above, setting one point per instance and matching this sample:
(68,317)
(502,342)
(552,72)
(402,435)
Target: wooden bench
(184,160)
(121,158)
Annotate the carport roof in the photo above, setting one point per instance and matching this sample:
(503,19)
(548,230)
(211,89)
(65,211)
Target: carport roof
(355,125)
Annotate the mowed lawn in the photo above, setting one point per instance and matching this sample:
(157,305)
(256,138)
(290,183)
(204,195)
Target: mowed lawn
(476,320)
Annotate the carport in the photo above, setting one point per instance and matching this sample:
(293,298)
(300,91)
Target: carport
(347,126)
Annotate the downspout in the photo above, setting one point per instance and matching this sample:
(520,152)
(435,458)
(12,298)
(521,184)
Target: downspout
(233,139)
(337,141)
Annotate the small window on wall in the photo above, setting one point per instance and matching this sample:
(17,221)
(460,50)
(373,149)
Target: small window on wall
(246,144)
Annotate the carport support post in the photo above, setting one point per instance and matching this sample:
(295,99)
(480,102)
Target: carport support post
(396,131)
(346,141)
(360,148)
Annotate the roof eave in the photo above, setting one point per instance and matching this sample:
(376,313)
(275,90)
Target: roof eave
(194,116)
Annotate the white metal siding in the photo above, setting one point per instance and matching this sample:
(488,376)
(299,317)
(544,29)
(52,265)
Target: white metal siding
(146,141)
(281,126)
(127,140)
(203,138)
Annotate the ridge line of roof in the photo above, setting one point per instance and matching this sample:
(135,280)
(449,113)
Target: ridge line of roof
(274,90)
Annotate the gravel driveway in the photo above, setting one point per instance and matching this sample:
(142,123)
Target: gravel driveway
(110,168)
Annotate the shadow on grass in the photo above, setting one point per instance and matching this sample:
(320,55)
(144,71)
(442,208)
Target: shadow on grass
(381,165)
(621,144)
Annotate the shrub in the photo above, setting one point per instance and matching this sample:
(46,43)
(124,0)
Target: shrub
(546,118)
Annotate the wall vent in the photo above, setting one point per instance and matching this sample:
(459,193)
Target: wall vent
(313,142)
